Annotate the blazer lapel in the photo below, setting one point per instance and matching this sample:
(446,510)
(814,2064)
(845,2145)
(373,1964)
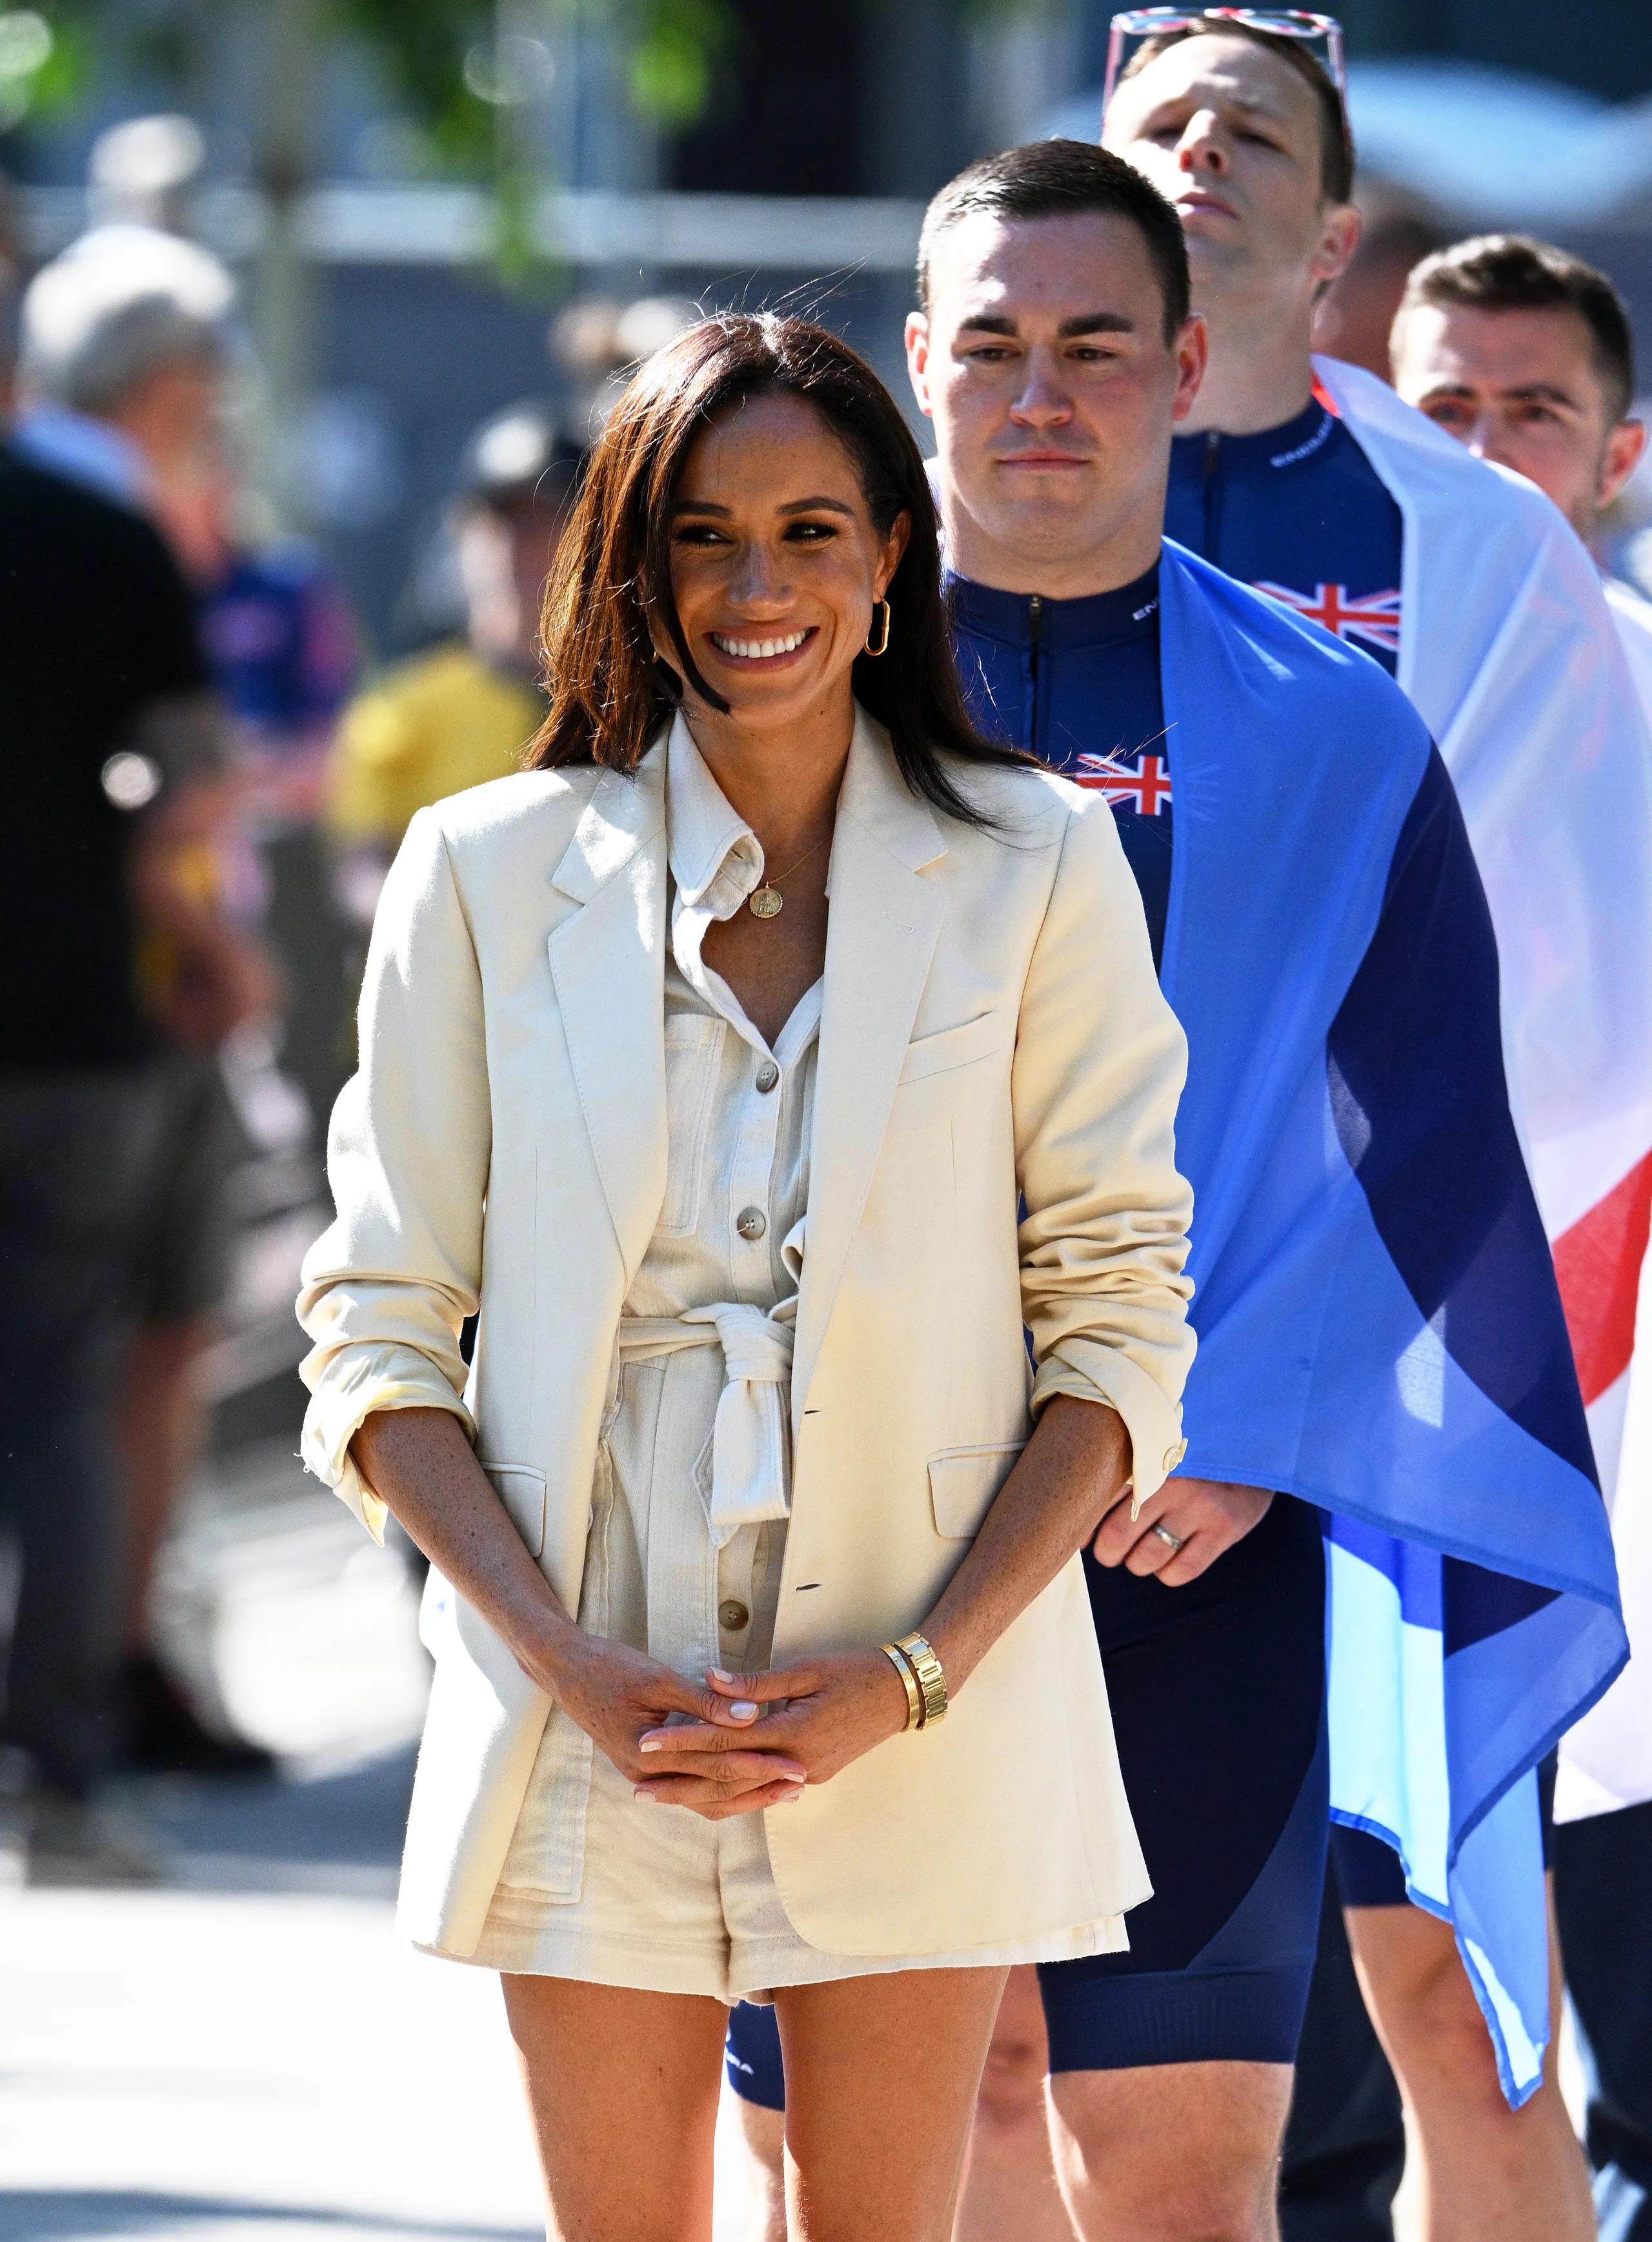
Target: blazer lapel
(884,922)
(607,961)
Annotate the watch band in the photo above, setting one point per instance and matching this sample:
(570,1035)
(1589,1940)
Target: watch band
(931,1679)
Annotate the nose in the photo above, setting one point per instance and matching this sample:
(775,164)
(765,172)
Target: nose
(1043,402)
(1202,148)
(1483,440)
(756,583)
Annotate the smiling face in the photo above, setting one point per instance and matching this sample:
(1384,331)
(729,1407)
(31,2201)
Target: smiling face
(1231,135)
(1043,364)
(775,563)
(1521,386)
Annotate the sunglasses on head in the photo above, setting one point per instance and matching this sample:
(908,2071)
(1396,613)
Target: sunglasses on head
(1277,22)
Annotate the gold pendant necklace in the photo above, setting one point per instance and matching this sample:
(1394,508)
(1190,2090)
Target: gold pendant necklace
(766,901)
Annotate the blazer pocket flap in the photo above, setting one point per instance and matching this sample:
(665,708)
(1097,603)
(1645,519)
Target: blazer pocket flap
(521,1489)
(964,1485)
(959,1046)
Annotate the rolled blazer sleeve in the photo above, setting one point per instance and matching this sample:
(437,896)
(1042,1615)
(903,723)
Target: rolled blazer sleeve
(386,1289)
(1100,1061)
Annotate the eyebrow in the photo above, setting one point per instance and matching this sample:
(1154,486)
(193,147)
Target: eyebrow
(1193,96)
(1545,392)
(1082,323)
(685,505)
(1524,392)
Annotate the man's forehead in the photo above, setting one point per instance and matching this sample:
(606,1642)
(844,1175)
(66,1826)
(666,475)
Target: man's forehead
(1503,348)
(1230,73)
(1085,261)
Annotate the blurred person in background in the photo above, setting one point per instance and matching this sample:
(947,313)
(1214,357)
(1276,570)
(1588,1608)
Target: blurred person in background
(1308,478)
(464,711)
(127,343)
(596,343)
(112,780)
(1352,318)
(1525,354)
(136,377)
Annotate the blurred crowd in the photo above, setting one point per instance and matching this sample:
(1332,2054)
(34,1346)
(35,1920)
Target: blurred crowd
(205,780)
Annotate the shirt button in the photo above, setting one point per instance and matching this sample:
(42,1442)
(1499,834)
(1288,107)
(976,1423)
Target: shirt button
(751,1222)
(733,1615)
(767,1076)
(1173,1456)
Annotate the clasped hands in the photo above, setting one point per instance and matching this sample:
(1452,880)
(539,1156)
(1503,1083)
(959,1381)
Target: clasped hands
(709,1747)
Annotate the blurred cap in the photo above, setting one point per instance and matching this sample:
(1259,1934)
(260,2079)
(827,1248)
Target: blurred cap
(520,454)
(119,305)
(143,172)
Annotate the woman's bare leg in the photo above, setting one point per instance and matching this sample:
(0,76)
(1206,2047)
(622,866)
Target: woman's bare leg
(622,2088)
(882,2075)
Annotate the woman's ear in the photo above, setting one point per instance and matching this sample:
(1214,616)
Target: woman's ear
(894,546)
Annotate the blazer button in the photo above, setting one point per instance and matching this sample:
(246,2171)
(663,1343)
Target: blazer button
(767,1076)
(732,1616)
(751,1222)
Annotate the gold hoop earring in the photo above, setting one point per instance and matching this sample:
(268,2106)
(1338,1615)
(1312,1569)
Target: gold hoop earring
(883,642)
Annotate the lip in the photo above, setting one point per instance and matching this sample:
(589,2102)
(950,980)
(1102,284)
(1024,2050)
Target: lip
(1198,199)
(1052,459)
(759,665)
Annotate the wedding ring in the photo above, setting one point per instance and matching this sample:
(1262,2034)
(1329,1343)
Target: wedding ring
(1172,1542)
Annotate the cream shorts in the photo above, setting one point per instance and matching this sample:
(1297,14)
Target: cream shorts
(673,1903)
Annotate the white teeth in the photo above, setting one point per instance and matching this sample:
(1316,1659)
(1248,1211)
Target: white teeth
(758,649)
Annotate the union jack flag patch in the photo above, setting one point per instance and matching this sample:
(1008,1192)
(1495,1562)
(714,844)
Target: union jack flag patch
(1146,789)
(1373,617)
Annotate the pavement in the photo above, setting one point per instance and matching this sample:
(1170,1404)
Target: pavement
(247,2050)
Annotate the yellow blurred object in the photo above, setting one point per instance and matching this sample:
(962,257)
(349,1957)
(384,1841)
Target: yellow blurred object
(427,728)
(194,869)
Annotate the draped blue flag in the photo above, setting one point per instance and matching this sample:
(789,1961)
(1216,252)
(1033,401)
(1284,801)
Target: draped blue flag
(1379,1328)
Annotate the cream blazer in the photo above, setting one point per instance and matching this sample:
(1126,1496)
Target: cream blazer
(991,1023)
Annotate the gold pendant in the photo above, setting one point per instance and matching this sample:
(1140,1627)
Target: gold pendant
(765,902)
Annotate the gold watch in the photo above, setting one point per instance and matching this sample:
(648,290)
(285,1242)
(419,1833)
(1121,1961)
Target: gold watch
(931,1680)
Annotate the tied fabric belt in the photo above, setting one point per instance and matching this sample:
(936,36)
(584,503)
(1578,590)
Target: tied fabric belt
(751,1434)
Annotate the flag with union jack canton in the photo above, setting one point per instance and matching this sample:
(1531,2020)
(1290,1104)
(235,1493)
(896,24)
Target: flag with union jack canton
(1381,1331)
(1508,650)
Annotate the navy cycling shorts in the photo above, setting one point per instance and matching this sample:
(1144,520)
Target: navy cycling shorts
(1368,1870)
(1217,1697)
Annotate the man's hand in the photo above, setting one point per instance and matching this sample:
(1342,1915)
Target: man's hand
(1206,1515)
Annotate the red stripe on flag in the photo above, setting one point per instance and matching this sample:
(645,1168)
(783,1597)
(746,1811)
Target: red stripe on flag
(1598,1262)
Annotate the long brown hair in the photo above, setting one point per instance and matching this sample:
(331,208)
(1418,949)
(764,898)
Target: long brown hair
(609,691)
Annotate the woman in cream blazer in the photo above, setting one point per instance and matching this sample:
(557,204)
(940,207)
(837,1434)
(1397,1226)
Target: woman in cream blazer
(705,1063)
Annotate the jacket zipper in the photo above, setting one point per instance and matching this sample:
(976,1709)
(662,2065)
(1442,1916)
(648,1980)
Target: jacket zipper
(1035,620)
(1212,496)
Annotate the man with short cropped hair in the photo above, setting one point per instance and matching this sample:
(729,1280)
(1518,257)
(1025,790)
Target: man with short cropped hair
(1309,479)
(1525,354)
(1313,906)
